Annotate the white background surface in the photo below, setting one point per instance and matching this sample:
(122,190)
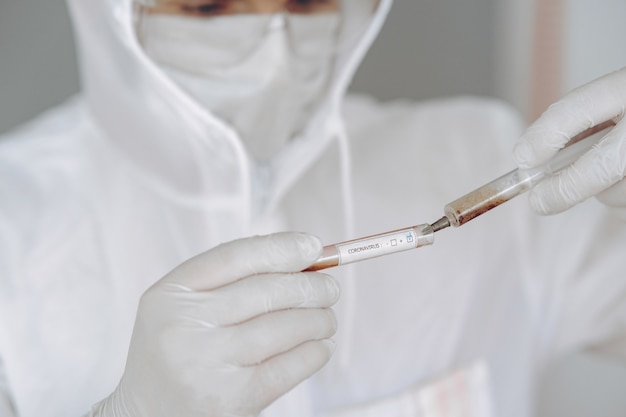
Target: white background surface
(429,48)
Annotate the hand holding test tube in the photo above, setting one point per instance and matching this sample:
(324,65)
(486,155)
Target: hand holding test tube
(518,181)
(459,211)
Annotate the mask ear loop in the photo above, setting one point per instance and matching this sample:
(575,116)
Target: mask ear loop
(277,21)
(355,21)
(138,11)
(140,8)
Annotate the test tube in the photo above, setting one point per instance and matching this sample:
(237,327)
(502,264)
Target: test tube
(373,246)
(516,182)
(458,212)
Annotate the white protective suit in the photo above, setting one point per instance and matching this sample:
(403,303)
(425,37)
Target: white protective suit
(103,196)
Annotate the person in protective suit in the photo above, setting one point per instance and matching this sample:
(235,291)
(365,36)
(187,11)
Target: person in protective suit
(129,285)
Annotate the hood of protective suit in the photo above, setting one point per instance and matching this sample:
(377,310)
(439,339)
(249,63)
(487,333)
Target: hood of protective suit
(185,150)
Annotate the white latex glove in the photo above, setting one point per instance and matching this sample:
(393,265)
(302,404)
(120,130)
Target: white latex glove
(600,171)
(228,332)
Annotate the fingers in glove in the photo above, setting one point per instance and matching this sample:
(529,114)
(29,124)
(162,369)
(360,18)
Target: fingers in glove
(583,108)
(248,298)
(238,347)
(257,295)
(600,168)
(229,262)
(283,372)
(269,335)
(614,196)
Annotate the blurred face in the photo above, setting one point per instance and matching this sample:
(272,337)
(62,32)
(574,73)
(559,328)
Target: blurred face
(211,8)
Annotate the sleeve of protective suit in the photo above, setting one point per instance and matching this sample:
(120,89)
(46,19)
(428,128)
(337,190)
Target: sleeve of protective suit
(575,280)
(600,172)
(228,332)
(6,403)
(8,250)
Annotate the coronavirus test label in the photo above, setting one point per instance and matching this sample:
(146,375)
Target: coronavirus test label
(358,250)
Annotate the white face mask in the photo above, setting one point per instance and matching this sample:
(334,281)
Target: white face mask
(266,88)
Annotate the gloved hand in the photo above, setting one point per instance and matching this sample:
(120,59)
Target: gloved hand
(600,171)
(228,332)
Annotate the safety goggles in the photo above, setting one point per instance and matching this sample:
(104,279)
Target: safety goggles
(216,8)
(238,26)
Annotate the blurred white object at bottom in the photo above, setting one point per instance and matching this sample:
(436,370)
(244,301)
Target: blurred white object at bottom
(462,393)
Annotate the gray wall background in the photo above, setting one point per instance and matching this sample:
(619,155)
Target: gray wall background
(37,66)
(429,48)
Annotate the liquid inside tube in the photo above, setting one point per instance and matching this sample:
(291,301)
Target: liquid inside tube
(490,195)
